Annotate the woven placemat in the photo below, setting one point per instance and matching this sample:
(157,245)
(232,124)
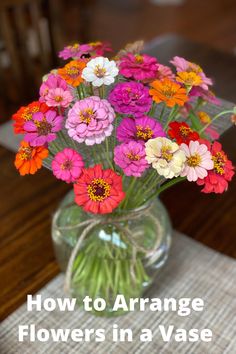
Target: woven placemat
(192,270)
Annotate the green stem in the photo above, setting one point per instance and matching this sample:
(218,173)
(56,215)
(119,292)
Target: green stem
(101,90)
(216,117)
(107,154)
(162,113)
(172,115)
(129,191)
(165,186)
(153,109)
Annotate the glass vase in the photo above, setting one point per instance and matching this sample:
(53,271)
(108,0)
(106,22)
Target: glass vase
(118,253)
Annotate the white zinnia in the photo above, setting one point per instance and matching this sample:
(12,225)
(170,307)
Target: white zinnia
(100,71)
(165,156)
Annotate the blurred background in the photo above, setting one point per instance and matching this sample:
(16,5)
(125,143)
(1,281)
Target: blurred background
(33,31)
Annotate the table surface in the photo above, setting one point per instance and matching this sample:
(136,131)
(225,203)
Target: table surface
(27,261)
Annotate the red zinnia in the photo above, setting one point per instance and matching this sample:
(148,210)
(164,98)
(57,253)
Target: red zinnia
(182,133)
(217,179)
(25,114)
(98,191)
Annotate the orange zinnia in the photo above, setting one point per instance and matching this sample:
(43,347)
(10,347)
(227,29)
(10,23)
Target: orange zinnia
(29,159)
(25,113)
(189,78)
(169,92)
(72,71)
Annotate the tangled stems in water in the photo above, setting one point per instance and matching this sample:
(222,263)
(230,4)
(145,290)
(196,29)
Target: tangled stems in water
(105,268)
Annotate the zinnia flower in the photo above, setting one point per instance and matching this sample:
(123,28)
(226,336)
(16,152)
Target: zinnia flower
(182,64)
(130,98)
(182,133)
(74,51)
(25,114)
(90,120)
(49,85)
(165,157)
(206,95)
(189,78)
(67,165)
(204,118)
(42,128)
(131,158)
(100,71)
(58,98)
(98,191)
(198,161)
(29,159)
(141,129)
(72,72)
(100,48)
(138,66)
(217,179)
(169,92)
(164,72)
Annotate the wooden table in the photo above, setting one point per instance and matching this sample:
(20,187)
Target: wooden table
(27,203)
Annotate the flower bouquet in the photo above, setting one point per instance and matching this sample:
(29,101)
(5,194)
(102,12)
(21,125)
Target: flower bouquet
(120,131)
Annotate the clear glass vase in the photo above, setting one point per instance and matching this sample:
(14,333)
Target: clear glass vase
(119,253)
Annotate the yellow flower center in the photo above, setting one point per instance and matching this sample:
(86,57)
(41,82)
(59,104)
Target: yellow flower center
(185,131)
(98,190)
(27,115)
(219,161)
(133,157)
(43,127)
(189,78)
(166,153)
(169,91)
(72,71)
(144,133)
(67,165)
(100,72)
(139,58)
(194,160)
(25,153)
(86,115)
(58,98)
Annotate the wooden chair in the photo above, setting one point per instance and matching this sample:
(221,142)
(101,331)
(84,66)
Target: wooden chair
(31,33)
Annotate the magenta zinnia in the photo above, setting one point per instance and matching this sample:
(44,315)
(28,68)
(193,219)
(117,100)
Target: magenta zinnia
(138,66)
(141,129)
(131,158)
(42,128)
(130,98)
(67,165)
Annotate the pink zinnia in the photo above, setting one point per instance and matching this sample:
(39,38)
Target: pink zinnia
(42,128)
(206,95)
(131,157)
(138,66)
(58,98)
(198,161)
(90,120)
(52,82)
(67,165)
(74,51)
(141,129)
(100,48)
(217,179)
(131,98)
(182,64)
(164,72)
